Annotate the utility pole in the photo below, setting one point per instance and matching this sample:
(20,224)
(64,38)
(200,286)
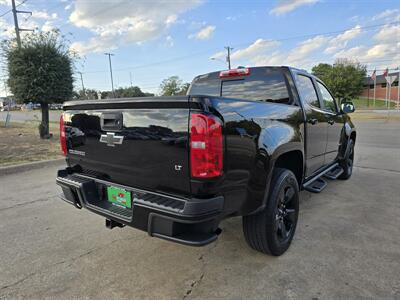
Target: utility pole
(130,77)
(228,56)
(14,11)
(83,87)
(17,29)
(112,81)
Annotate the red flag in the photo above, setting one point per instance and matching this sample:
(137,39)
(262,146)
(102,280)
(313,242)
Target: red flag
(373,76)
(386,73)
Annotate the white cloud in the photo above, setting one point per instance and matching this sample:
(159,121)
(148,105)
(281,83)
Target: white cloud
(306,47)
(43,14)
(204,33)
(284,6)
(171,20)
(266,52)
(388,34)
(124,21)
(371,55)
(47,26)
(386,14)
(340,41)
(6,29)
(95,45)
(196,25)
(258,47)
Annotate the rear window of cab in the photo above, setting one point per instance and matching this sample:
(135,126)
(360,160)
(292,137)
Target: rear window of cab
(262,84)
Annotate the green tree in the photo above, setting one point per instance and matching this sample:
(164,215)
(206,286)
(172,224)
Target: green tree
(322,70)
(172,86)
(184,88)
(127,92)
(89,94)
(40,71)
(344,78)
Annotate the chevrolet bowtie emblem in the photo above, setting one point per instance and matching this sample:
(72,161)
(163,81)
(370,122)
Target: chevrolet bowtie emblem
(111,139)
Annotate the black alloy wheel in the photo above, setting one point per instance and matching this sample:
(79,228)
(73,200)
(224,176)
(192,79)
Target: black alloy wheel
(348,162)
(285,216)
(271,230)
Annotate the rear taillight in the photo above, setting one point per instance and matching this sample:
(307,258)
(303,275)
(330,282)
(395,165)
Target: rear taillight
(234,73)
(206,149)
(63,139)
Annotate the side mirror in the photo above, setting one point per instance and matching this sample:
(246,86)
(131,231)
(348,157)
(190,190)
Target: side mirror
(347,107)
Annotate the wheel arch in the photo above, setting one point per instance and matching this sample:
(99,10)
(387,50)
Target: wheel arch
(294,161)
(291,159)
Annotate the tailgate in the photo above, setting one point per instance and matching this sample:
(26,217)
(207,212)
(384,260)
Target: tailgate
(140,142)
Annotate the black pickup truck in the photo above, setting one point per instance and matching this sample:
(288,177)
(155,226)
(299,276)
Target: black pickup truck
(243,142)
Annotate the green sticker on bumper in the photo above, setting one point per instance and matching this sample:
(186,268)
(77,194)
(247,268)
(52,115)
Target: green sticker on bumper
(119,197)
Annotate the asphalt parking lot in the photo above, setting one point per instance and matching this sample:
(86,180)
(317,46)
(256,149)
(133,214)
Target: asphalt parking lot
(347,244)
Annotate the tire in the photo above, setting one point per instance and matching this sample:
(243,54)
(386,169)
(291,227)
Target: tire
(271,230)
(347,163)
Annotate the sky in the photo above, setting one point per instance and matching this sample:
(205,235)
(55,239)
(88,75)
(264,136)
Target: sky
(152,40)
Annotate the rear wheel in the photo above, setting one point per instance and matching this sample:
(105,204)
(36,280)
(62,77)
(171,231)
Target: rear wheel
(347,162)
(271,230)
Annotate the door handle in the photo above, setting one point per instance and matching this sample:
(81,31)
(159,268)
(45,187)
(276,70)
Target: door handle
(313,121)
(331,122)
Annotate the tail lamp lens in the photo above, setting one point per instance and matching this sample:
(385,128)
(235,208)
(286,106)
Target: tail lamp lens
(206,147)
(63,139)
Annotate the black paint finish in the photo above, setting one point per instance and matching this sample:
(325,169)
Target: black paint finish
(154,154)
(154,146)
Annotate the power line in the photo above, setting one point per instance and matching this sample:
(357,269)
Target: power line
(241,44)
(10,10)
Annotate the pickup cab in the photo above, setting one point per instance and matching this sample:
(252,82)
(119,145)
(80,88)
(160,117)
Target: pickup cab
(242,142)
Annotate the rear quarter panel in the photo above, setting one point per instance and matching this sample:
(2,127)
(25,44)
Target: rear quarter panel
(256,133)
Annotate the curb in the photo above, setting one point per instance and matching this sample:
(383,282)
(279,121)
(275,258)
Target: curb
(30,166)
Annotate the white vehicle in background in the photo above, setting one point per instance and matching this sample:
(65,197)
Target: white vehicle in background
(7,104)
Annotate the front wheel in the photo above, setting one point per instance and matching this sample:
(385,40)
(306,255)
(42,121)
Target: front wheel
(347,162)
(271,231)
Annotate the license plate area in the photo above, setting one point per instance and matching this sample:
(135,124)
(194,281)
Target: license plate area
(119,197)
(108,198)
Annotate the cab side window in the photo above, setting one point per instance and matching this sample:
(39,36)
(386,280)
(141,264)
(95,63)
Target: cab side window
(307,90)
(329,102)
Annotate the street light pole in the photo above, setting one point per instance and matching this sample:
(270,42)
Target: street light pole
(224,62)
(83,87)
(112,81)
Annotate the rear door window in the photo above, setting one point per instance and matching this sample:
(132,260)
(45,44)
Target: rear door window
(329,101)
(307,90)
(205,86)
(264,85)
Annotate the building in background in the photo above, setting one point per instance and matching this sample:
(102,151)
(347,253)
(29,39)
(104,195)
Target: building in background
(381,87)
